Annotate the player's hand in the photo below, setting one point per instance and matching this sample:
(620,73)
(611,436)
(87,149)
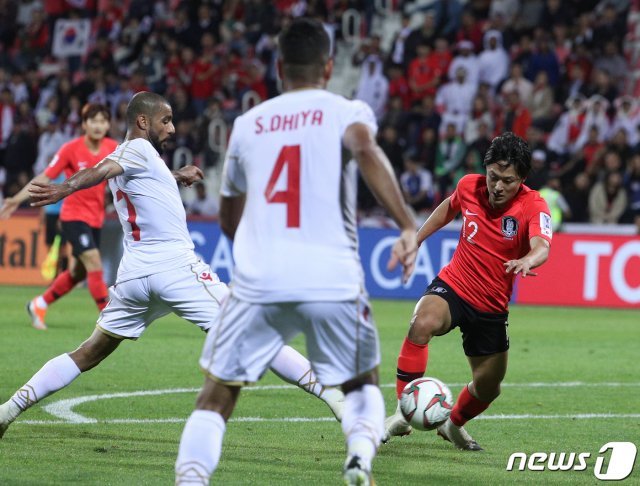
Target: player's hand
(43,193)
(8,208)
(188,174)
(521,266)
(404,251)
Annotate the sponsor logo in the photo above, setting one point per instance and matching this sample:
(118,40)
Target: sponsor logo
(438,290)
(84,240)
(469,213)
(618,466)
(206,276)
(509,226)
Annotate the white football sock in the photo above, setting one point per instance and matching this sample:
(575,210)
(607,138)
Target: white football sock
(54,375)
(200,448)
(363,422)
(41,302)
(294,368)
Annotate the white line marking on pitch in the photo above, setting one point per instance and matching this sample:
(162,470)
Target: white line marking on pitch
(330,419)
(63,409)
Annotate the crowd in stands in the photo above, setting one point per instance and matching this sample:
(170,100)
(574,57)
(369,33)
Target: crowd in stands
(455,74)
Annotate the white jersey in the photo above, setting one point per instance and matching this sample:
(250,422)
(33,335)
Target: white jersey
(150,210)
(297,239)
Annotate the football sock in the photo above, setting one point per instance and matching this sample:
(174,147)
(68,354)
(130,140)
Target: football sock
(467,406)
(363,422)
(40,302)
(200,448)
(54,375)
(412,364)
(61,285)
(97,288)
(294,368)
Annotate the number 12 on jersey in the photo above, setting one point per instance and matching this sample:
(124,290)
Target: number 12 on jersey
(289,158)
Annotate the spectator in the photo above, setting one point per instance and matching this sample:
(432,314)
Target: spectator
(632,185)
(544,59)
(424,78)
(614,63)
(454,99)
(494,60)
(391,145)
(50,140)
(626,118)
(416,183)
(451,150)
(203,204)
(565,133)
(373,87)
(470,30)
(517,82)
(480,116)
(541,102)
(577,196)
(596,115)
(515,118)
(397,56)
(466,59)
(398,86)
(539,174)
(425,35)
(607,200)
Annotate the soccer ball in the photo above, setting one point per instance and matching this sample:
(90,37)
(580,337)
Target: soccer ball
(426,403)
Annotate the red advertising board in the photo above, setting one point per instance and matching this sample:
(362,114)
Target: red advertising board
(22,250)
(587,270)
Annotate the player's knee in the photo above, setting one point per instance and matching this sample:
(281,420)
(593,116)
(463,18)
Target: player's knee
(423,327)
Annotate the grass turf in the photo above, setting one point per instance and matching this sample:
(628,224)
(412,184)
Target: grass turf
(584,361)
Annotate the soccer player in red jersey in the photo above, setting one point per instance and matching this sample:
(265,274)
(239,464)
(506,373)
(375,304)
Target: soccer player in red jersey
(506,230)
(82,213)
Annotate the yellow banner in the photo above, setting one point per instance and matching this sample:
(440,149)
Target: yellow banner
(22,250)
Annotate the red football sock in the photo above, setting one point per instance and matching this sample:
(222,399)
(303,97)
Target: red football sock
(97,288)
(467,406)
(62,285)
(412,363)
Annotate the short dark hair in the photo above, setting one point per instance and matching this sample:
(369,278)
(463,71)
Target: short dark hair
(509,149)
(90,110)
(304,49)
(144,103)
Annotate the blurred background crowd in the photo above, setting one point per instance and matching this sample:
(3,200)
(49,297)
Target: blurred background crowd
(442,76)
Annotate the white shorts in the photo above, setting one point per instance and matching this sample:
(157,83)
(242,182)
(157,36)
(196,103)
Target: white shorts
(342,340)
(193,292)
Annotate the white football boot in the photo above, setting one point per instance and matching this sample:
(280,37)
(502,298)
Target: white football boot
(356,473)
(458,436)
(395,425)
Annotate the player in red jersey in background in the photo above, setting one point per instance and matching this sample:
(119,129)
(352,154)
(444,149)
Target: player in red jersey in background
(82,213)
(506,230)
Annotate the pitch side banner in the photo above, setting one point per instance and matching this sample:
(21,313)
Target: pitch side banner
(583,270)
(587,270)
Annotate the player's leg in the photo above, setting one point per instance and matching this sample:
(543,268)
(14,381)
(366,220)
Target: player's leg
(342,342)
(486,345)
(236,352)
(81,237)
(201,441)
(431,317)
(295,369)
(92,262)
(56,374)
(196,294)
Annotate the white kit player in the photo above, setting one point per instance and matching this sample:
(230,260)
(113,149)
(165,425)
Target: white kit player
(289,204)
(159,272)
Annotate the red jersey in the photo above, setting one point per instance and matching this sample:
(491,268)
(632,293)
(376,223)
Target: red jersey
(489,238)
(86,205)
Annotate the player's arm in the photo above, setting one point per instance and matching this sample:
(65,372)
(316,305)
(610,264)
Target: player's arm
(12,203)
(230,213)
(45,193)
(187,175)
(377,172)
(537,255)
(440,217)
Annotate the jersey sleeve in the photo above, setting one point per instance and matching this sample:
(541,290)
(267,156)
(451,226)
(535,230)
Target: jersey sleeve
(58,163)
(130,156)
(234,181)
(359,112)
(539,219)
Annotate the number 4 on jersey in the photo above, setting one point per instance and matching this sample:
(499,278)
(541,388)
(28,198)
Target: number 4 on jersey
(289,157)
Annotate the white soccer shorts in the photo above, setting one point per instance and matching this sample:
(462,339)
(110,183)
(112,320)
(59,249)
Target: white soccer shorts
(342,340)
(193,292)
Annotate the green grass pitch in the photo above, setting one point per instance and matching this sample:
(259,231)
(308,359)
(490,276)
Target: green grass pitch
(573,385)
